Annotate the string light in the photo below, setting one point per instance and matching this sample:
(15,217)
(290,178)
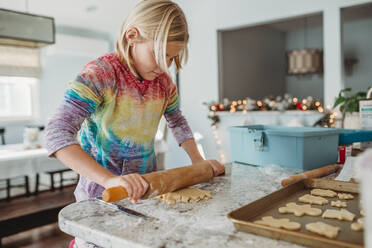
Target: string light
(270,103)
(219,144)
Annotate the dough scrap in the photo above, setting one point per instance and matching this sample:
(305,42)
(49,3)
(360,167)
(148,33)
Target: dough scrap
(323,192)
(278,223)
(323,229)
(362,212)
(358,226)
(344,196)
(313,199)
(339,204)
(185,195)
(342,214)
(300,210)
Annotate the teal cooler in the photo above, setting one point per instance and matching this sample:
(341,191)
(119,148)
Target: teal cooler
(304,148)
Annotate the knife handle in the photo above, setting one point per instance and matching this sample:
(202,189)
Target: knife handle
(114,194)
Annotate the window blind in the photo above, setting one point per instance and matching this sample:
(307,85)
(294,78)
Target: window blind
(19,61)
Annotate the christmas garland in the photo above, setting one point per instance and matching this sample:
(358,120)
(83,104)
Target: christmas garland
(279,103)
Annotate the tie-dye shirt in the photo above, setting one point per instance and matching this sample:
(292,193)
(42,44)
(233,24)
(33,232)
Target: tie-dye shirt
(117,116)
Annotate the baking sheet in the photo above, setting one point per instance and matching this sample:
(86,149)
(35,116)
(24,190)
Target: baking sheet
(244,217)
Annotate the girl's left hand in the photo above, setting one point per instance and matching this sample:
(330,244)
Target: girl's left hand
(217,167)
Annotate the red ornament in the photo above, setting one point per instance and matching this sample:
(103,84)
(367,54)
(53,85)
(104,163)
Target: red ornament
(299,106)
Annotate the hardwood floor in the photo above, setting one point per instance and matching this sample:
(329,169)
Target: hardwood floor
(48,236)
(39,213)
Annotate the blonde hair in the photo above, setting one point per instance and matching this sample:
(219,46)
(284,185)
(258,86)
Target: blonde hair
(161,21)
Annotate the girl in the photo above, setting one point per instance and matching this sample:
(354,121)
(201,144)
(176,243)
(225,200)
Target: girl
(117,101)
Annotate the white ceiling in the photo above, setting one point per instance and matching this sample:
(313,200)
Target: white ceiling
(107,15)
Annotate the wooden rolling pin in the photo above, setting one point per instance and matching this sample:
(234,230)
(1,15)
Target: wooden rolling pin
(320,172)
(162,182)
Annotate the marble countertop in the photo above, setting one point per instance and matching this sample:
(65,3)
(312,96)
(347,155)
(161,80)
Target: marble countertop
(202,224)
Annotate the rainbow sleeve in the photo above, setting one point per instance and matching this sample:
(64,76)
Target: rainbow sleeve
(173,102)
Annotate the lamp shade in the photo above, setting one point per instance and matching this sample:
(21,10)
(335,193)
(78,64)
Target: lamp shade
(305,61)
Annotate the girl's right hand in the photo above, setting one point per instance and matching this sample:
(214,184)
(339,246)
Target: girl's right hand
(134,184)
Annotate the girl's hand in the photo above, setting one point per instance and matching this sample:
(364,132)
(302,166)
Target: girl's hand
(217,167)
(134,184)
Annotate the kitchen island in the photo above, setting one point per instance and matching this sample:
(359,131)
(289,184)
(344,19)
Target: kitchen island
(202,224)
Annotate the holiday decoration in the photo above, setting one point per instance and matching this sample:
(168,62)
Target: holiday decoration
(279,103)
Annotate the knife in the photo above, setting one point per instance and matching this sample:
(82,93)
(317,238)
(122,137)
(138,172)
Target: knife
(125,210)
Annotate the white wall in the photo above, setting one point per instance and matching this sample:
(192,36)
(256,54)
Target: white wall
(199,78)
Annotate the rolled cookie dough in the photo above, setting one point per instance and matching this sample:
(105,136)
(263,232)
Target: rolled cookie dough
(323,229)
(278,223)
(342,214)
(313,199)
(300,210)
(323,192)
(185,195)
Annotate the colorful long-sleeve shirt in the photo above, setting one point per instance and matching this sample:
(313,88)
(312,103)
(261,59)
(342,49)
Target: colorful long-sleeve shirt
(114,117)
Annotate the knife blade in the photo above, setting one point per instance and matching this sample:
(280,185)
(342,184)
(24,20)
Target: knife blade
(127,211)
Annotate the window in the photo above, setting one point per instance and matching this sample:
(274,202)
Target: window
(18,99)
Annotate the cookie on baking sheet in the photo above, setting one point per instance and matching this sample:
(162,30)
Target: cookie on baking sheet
(338,204)
(300,210)
(358,226)
(323,229)
(313,199)
(278,223)
(345,196)
(341,214)
(323,192)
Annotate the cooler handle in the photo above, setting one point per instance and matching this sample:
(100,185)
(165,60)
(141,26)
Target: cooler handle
(258,141)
